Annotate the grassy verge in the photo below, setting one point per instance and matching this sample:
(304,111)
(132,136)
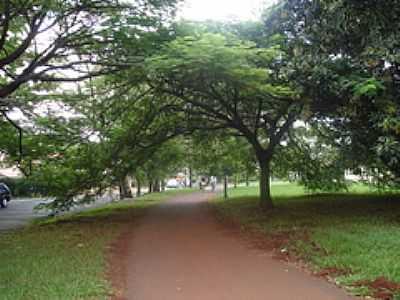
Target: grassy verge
(356,235)
(65,257)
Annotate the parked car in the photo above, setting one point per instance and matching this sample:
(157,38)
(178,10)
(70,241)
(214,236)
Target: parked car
(173,183)
(5,195)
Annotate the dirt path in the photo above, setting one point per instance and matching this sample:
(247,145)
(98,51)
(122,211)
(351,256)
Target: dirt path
(179,251)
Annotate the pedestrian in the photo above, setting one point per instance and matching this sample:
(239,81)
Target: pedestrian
(213,182)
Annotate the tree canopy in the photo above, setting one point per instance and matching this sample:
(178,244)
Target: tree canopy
(312,90)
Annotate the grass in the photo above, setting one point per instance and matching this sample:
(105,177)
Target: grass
(357,231)
(65,257)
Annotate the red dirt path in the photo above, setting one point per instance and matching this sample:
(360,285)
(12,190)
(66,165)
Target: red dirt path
(178,251)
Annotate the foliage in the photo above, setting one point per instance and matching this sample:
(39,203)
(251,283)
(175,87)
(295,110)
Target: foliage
(167,161)
(108,147)
(223,83)
(82,37)
(345,54)
(78,141)
(312,161)
(246,82)
(219,154)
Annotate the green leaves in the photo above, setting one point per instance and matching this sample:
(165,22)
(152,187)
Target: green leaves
(370,87)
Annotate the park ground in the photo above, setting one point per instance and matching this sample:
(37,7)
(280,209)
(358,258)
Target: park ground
(351,239)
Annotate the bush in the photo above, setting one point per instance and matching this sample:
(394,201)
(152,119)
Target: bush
(24,187)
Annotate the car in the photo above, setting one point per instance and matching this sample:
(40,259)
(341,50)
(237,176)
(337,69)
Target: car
(172,184)
(5,195)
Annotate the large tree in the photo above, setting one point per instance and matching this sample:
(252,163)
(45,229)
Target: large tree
(223,83)
(345,55)
(46,43)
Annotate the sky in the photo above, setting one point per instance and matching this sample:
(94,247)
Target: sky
(201,10)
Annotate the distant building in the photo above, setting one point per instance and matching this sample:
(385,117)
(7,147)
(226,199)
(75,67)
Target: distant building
(361,175)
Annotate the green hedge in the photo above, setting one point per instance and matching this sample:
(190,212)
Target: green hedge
(23,187)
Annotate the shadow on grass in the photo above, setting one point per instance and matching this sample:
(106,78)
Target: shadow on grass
(318,209)
(358,233)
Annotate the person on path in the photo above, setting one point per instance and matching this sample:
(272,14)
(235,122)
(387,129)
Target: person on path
(213,182)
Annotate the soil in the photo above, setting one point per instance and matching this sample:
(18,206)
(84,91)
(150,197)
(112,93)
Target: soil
(179,250)
(381,288)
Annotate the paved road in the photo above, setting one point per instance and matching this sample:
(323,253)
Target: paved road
(18,213)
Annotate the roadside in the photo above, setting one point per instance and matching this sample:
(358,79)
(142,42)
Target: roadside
(180,251)
(19,213)
(350,239)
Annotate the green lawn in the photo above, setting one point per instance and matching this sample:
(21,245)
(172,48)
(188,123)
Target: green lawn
(358,232)
(64,258)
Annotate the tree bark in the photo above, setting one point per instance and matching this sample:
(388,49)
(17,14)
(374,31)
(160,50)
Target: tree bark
(163,185)
(190,178)
(225,187)
(265,188)
(247,179)
(124,189)
(157,186)
(138,188)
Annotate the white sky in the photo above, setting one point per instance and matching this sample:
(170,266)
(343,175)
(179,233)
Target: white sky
(201,10)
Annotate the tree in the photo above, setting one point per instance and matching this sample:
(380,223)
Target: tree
(220,154)
(313,160)
(40,40)
(167,161)
(348,56)
(224,83)
(47,42)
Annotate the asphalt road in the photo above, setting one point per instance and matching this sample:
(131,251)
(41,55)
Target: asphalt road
(18,213)
(21,211)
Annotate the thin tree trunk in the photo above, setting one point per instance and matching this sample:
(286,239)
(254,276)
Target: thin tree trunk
(225,187)
(190,178)
(163,185)
(121,190)
(247,179)
(150,186)
(138,188)
(235,184)
(265,188)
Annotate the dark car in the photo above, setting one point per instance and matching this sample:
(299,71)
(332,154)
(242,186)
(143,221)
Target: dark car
(5,195)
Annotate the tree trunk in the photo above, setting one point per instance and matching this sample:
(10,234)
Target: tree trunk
(265,188)
(190,178)
(225,187)
(247,179)
(124,189)
(163,185)
(235,184)
(150,186)
(157,186)
(138,188)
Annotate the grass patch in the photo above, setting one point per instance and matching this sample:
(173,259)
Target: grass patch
(357,231)
(64,257)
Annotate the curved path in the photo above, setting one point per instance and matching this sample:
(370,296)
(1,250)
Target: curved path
(180,252)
